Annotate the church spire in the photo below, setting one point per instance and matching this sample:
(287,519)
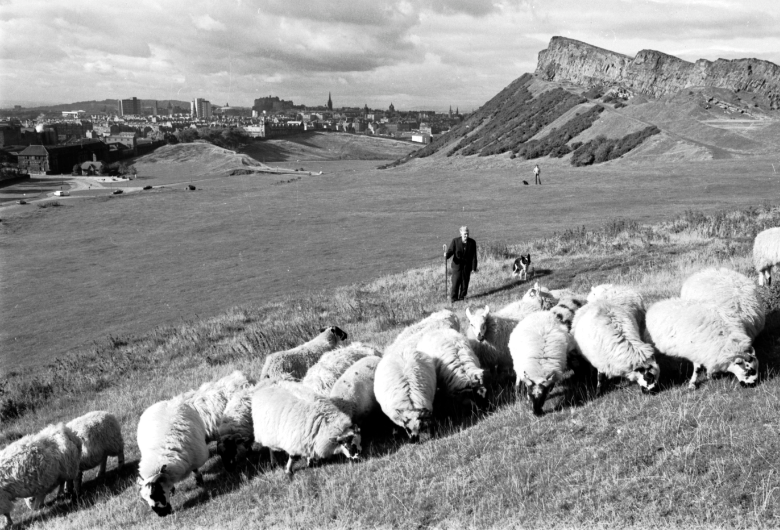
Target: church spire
(330,102)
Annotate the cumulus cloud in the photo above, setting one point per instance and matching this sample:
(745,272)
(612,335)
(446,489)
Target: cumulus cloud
(421,53)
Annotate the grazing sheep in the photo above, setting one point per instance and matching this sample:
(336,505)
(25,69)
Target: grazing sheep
(405,385)
(735,295)
(607,335)
(625,296)
(101,437)
(537,298)
(353,393)
(443,319)
(292,364)
(697,331)
(210,399)
(540,346)
(457,366)
(322,376)
(766,254)
(34,465)
(489,336)
(236,431)
(172,441)
(566,308)
(313,429)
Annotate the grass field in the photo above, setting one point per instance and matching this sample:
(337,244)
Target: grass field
(117,265)
(677,459)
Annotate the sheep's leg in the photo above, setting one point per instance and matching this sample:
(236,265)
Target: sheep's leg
(120,459)
(8,521)
(601,383)
(698,371)
(76,484)
(198,478)
(289,468)
(271,457)
(37,502)
(102,471)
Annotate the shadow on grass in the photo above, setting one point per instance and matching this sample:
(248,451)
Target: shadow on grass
(115,482)
(540,273)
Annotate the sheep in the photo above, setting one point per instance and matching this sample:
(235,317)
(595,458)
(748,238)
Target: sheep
(322,376)
(457,366)
(566,308)
(210,398)
(735,295)
(443,319)
(540,346)
(607,335)
(405,386)
(314,429)
(489,338)
(537,298)
(766,254)
(172,441)
(34,465)
(236,432)
(101,437)
(624,295)
(353,393)
(292,364)
(697,331)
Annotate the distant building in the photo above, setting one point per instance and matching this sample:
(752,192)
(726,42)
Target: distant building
(129,107)
(73,114)
(37,159)
(272,104)
(155,110)
(330,102)
(200,108)
(10,134)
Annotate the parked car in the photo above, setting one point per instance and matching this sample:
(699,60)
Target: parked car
(61,193)
(117,192)
(22,201)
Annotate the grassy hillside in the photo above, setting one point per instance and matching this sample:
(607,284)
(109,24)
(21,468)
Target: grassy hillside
(676,459)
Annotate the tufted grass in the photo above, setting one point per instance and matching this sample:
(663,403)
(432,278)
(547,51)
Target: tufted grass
(677,459)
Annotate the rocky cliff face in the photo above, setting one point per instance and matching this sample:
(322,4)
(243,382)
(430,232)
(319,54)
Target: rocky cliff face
(654,73)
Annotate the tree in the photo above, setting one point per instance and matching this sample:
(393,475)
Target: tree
(187,135)
(76,169)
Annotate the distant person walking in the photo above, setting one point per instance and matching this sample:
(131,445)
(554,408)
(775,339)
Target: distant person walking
(463,251)
(537,173)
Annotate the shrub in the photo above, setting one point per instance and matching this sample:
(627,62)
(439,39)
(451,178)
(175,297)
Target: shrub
(601,150)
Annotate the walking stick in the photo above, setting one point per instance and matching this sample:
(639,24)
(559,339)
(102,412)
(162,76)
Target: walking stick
(445,271)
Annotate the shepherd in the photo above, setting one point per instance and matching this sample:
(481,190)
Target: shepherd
(463,251)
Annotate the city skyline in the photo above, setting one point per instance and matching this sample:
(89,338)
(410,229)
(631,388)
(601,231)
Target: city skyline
(422,55)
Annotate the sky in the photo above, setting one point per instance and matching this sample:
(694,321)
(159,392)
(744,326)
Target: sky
(416,54)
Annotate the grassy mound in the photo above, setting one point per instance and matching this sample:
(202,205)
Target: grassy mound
(675,459)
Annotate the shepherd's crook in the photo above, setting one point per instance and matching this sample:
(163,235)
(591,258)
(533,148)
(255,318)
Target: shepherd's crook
(445,271)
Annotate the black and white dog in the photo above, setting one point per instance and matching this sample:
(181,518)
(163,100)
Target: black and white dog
(521,266)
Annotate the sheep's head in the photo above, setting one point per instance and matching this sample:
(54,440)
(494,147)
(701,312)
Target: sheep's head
(745,367)
(478,322)
(646,375)
(415,421)
(349,443)
(538,390)
(231,451)
(156,491)
(539,295)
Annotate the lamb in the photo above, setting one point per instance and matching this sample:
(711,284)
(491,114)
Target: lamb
(697,331)
(457,366)
(405,385)
(353,393)
(101,437)
(766,254)
(313,429)
(172,442)
(34,465)
(443,319)
(624,295)
(236,431)
(322,376)
(489,338)
(735,295)
(292,364)
(211,398)
(607,335)
(540,346)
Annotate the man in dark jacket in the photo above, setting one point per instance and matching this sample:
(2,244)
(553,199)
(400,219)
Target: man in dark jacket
(463,251)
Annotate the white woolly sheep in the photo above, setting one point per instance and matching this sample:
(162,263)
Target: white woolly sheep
(210,399)
(314,429)
(34,465)
(353,393)
(236,431)
(625,296)
(101,437)
(443,319)
(566,308)
(537,298)
(292,364)
(766,254)
(405,386)
(607,335)
(457,366)
(696,331)
(322,376)
(734,294)
(172,441)
(540,347)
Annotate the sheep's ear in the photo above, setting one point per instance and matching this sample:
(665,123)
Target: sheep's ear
(139,480)
(487,310)
(163,468)
(468,313)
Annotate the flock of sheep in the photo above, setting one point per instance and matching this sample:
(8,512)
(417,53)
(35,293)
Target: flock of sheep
(310,401)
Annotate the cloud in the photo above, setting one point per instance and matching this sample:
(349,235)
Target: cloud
(206,23)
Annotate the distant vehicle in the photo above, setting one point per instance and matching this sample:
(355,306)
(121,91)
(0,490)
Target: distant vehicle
(117,192)
(61,193)
(191,187)
(147,187)
(22,201)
